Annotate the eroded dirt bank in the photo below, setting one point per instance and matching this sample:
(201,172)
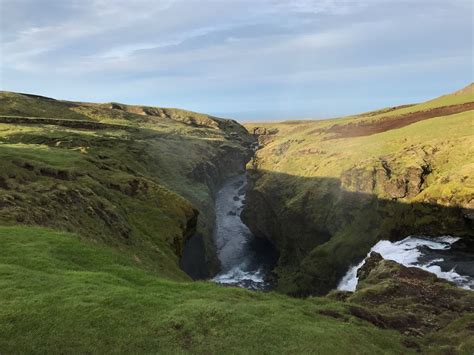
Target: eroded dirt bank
(357,129)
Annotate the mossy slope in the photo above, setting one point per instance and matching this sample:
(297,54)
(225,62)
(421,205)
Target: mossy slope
(139,179)
(325,195)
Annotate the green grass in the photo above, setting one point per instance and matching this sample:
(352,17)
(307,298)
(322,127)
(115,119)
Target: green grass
(63,295)
(328,158)
(21,105)
(66,189)
(310,153)
(455,338)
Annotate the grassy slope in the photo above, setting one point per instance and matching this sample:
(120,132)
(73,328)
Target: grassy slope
(310,155)
(305,170)
(61,295)
(113,285)
(340,154)
(135,188)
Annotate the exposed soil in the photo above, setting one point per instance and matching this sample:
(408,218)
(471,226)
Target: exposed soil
(383,125)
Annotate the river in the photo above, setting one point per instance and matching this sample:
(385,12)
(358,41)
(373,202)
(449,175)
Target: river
(246,260)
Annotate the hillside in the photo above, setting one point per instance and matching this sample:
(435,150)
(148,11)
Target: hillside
(102,207)
(61,295)
(140,179)
(324,192)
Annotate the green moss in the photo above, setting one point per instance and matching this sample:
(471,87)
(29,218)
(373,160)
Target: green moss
(136,186)
(455,338)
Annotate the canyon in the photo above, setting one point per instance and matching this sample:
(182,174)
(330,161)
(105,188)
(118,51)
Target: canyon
(110,211)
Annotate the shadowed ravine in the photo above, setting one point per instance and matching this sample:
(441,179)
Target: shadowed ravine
(245,260)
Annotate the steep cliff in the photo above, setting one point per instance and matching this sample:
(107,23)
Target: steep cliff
(325,191)
(141,179)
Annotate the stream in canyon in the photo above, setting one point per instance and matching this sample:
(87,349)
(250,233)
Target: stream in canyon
(246,261)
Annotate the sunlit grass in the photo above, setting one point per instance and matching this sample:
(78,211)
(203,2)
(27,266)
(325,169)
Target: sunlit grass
(59,294)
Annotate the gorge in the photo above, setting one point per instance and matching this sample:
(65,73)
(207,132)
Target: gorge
(246,261)
(110,211)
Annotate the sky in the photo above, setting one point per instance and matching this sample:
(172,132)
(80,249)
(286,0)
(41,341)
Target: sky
(243,59)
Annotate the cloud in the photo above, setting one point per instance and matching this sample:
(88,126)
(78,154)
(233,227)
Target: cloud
(338,7)
(194,53)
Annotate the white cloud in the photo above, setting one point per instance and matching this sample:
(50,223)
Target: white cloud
(212,46)
(338,7)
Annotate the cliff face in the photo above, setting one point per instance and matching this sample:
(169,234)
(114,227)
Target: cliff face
(199,259)
(324,196)
(138,178)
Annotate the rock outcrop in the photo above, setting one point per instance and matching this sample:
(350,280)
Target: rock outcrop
(414,302)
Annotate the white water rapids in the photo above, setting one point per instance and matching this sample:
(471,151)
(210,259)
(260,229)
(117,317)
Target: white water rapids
(430,254)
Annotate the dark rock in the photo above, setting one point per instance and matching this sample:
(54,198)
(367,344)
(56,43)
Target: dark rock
(3,183)
(370,263)
(410,300)
(194,258)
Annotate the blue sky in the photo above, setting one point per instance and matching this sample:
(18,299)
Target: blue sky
(249,60)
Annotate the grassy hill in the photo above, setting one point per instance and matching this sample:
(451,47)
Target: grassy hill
(140,181)
(326,191)
(61,295)
(97,202)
